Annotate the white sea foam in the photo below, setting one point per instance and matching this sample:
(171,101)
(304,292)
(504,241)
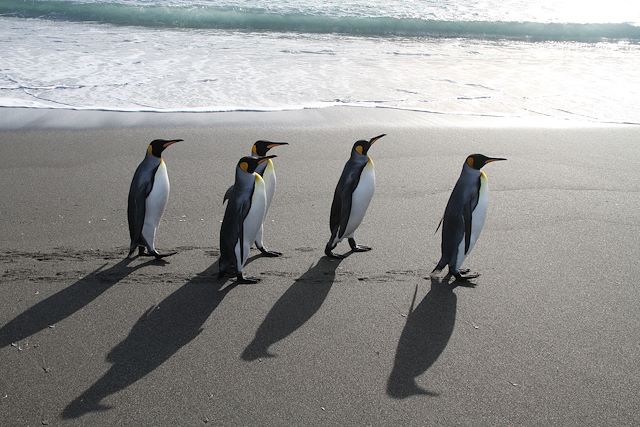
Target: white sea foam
(79,64)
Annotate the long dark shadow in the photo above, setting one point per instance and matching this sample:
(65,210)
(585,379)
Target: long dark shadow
(63,304)
(424,337)
(157,335)
(297,305)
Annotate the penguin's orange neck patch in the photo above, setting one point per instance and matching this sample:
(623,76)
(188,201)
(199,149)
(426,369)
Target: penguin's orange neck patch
(244,166)
(470,161)
(359,149)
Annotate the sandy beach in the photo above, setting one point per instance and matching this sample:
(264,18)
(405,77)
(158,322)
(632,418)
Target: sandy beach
(549,336)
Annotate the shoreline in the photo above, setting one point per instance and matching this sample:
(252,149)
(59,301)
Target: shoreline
(24,118)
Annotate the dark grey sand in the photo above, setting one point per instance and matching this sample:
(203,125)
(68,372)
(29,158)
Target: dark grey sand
(550,334)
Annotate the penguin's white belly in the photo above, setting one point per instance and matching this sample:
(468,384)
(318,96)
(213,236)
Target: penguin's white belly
(478,217)
(269,177)
(479,214)
(252,221)
(155,204)
(360,199)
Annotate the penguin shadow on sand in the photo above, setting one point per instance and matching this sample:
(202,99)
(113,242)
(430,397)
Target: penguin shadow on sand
(66,302)
(157,335)
(294,308)
(425,336)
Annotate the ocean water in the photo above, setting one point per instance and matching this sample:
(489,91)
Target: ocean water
(564,60)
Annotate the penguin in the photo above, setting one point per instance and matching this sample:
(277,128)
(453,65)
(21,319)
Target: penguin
(464,216)
(242,218)
(148,197)
(351,198)
(268,173)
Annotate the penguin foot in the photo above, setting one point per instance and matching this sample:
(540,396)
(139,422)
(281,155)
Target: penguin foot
(328,251)
(270,254)
(466,278)
(159,255)
(246,280)
(357,248)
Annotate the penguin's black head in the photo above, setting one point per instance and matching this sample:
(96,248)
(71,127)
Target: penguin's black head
(260,148)
(362,146)
(157,146)
(477,161)
(249,164)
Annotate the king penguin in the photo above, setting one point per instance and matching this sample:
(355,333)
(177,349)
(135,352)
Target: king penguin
(268,173)
(242,218)
(464,216)
(352,196)
(148,197)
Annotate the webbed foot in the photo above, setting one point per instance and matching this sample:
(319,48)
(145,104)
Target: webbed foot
(158,255)
(270,254)
(358,248)
(328,251)
(246,280)
(465,279)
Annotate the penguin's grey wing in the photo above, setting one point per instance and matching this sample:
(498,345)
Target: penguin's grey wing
(466,212)
(452,234)
(232,229)
(336,208)
(228,194)
(342,198)
(244,211)
(141,186)
(468,209)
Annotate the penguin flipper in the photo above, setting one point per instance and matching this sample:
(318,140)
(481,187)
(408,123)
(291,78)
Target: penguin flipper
(345,212)
(244,211)
(341,206)
(336,209)
(340,210)
(452,234)
(141,187)
(467,227)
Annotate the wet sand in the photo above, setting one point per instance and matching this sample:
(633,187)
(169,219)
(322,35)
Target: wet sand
(548,336)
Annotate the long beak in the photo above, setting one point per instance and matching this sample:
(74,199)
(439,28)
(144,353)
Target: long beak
(375,138)
(276,144)
(169,143)
(265,158)
(493,159)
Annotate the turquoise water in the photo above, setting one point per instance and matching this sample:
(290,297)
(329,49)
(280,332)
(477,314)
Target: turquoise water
(571,60)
